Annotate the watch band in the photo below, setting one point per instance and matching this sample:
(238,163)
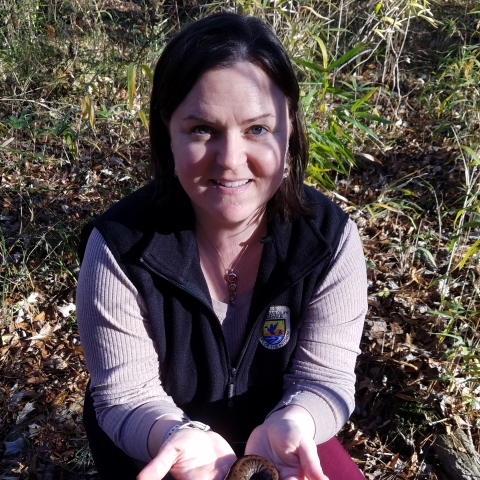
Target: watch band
(182,425)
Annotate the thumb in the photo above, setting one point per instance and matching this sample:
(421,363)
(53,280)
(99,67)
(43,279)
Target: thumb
(309,461)
(161,464)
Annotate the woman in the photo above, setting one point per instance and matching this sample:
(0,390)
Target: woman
(221,306)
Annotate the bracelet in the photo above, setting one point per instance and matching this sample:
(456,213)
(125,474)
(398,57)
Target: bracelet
(182,425)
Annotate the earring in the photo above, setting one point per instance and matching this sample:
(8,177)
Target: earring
(286,170)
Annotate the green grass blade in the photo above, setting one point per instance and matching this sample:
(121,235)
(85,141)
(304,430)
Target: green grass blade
(346,57)
(131,85)
(471,251)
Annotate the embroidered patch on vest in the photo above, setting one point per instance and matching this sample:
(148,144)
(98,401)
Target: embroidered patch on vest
(276,328)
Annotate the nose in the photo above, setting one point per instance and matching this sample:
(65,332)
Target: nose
(231,151)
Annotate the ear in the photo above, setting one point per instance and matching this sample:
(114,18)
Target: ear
(290,134)
(291,118)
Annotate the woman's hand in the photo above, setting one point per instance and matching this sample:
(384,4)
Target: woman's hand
(286,439)
(191,454)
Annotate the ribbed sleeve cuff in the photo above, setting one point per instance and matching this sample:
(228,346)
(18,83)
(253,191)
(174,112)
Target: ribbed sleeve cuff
(134,436)
(322,414)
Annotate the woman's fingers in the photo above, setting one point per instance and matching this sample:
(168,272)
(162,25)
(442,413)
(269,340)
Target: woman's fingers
(161,464)
(307,453)
(293,453)
(191,455)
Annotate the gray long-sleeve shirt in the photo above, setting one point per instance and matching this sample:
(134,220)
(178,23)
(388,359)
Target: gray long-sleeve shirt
(123,363)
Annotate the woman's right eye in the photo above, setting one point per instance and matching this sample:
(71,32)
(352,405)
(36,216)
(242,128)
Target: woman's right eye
(202,130)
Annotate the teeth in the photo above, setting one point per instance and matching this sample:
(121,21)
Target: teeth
(233,184)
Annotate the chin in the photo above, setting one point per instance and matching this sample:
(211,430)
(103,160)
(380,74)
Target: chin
(235,217)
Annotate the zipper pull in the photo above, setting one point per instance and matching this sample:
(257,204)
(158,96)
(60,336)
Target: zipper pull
(231,386)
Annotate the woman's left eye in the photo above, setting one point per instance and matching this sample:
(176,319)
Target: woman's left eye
(202,130)
(257,130)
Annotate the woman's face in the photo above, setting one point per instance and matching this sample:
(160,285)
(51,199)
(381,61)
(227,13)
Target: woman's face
(230,140)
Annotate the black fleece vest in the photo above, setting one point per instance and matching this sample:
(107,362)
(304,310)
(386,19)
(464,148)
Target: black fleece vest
(156,247)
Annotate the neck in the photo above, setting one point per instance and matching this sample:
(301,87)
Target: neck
(231,256)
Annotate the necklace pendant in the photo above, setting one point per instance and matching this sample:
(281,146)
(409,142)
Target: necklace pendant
(232,286)
(230,275)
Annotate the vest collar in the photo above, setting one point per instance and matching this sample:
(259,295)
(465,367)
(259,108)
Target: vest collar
(172,251)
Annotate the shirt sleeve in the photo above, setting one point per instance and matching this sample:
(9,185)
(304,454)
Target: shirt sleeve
(321,378)
(119,351)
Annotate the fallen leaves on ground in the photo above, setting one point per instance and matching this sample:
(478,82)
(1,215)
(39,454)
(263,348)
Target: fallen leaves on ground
(403,393)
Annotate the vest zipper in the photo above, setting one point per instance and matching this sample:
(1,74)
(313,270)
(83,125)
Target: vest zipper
(233,376)
(231,386)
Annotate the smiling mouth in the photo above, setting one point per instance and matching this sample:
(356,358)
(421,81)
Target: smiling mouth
(232,184)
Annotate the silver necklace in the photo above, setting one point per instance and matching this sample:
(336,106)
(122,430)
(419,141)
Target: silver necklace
(230,276)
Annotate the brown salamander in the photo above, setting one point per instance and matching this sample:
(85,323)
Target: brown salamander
(252,467)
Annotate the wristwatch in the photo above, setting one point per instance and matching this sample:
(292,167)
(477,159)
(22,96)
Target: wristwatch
(182,425)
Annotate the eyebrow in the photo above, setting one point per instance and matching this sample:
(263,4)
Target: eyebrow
(213,122)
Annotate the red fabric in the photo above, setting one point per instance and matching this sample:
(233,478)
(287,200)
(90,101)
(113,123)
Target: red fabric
(336,462)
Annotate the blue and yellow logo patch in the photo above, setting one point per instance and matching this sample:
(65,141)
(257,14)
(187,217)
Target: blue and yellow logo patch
(274,331)
(276,328)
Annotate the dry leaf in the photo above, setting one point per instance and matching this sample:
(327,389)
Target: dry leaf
(40,317)
(29,407)
(50,31)
(12,448)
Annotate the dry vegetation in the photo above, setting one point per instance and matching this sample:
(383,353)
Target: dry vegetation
(391,87)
